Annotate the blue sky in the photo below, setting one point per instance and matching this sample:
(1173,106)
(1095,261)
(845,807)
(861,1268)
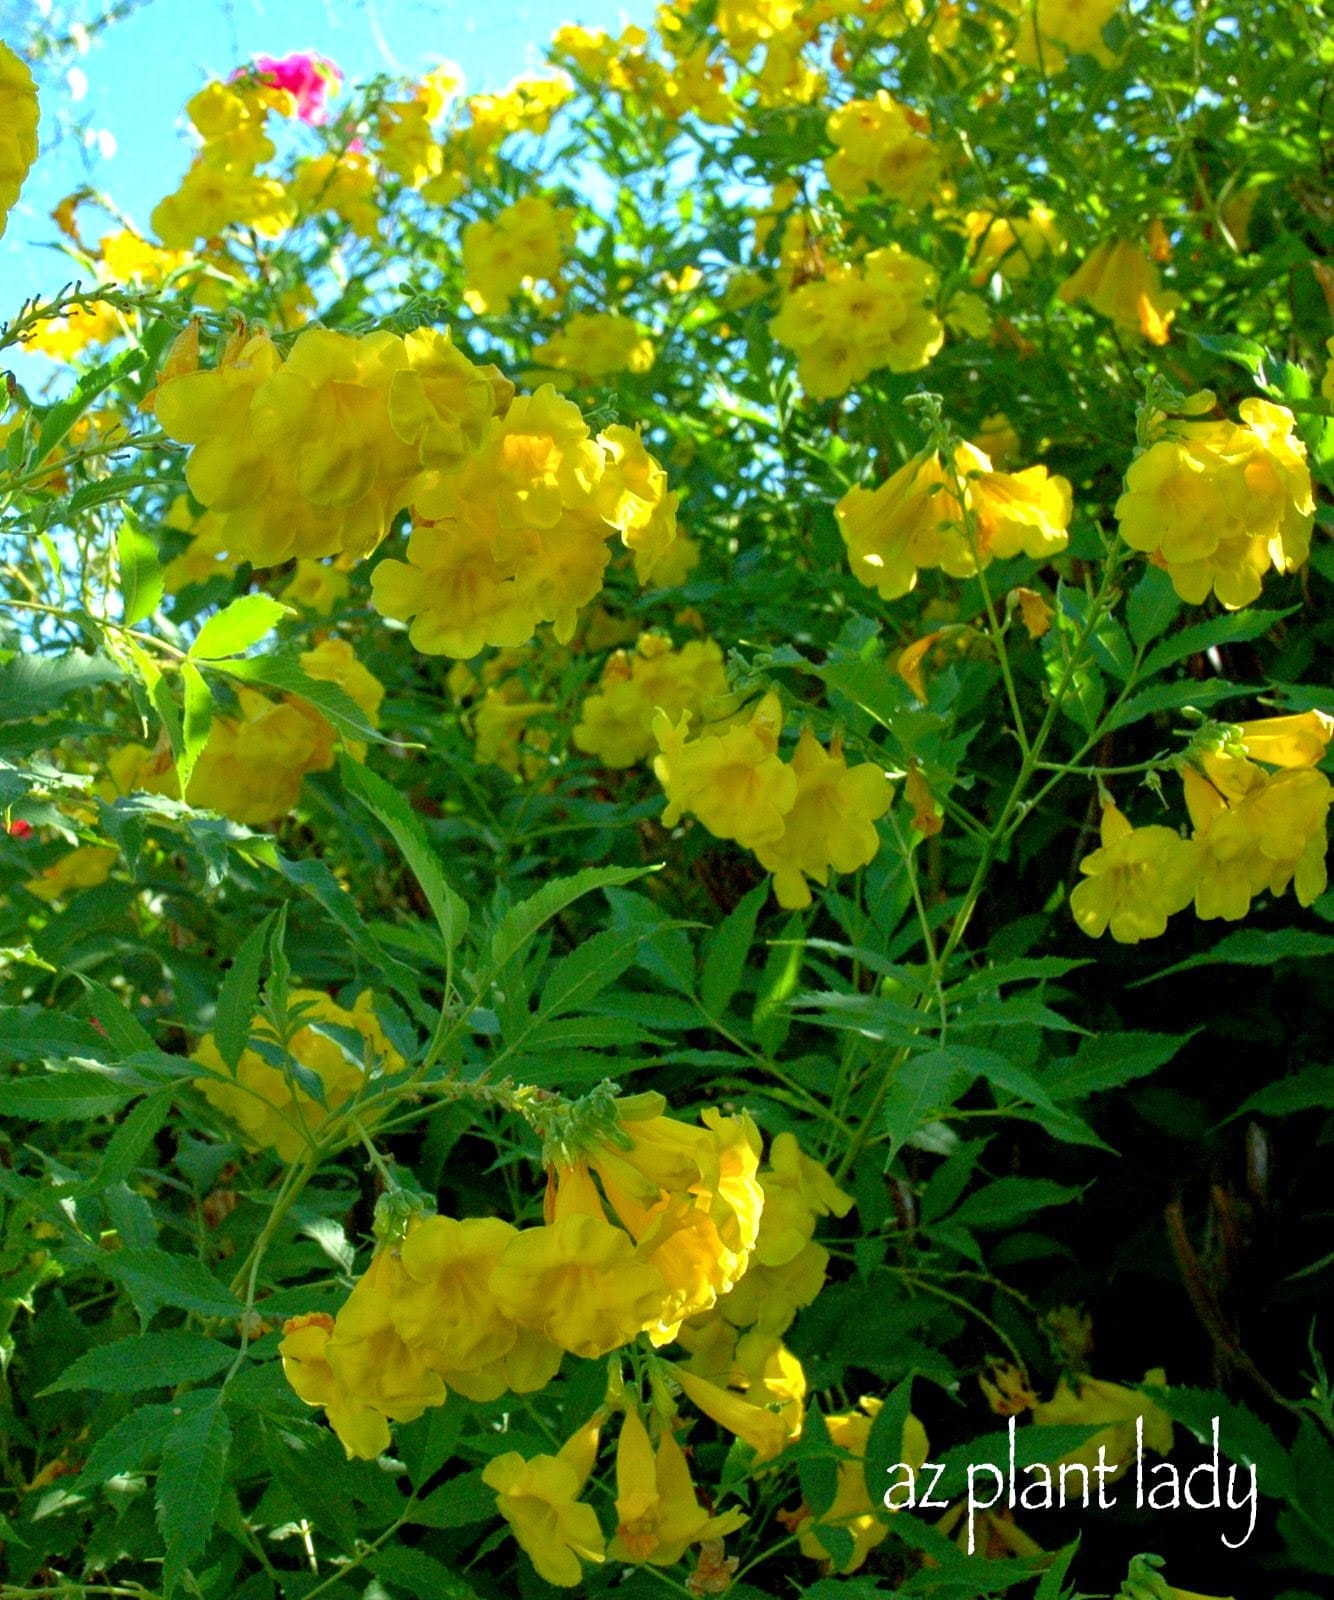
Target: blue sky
(141,72)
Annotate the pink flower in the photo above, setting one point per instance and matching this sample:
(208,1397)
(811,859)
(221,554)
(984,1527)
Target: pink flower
(307,77)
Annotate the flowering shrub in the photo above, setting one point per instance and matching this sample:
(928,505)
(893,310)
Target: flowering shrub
(583,672)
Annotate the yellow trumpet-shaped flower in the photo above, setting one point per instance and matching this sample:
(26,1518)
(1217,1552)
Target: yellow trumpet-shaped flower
(766,1432)
(539,1500)
(1120,282)
(658,1513)
(733,779)
(1135,882)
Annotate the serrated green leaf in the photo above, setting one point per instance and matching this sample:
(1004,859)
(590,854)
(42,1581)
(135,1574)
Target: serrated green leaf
(31,685)
(1242,1436)
(285,672)
(415,1573)
(145,1361)
(189,1486)
(140,572)
(1172,697)
(1005,1201)
(578,978)
(518,925)
(196,722)
(457,1504)
(726,950)
(1032,1443)
(136,1439)
(62,416)
(239,994)
(1254,947)
(1152,607)
(1108,1060)
(154,1279)
(1235,627)
(237,626)
(409,834)
(70,1096)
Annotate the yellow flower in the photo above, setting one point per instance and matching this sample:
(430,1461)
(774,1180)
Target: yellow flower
(1139,878)
(633,498)
(852,1509)
(1119,281)
(334,661)
(580,1283)
(82,868)
(267,1101)
(18,128)
(1049,29)
(1010,246)
(1093,1402)
(658,1513)
(539,1500)
(882,144)
(1299,740)
(597,343)
(444,1308)
(525,242)
(764,1431)
(615,723)
(316,586)
(731,779)
(831,823)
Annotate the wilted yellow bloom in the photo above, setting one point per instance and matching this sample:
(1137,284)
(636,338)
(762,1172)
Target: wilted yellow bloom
(658,1513)
(1119,281)
(1091,1401)
(1135,882)
(265,1097)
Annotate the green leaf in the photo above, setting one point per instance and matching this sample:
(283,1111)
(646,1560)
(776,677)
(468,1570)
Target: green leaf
(1005,1201)
(140,572)
(1235,627)
(884,1443)
(726,950)
(154,1279)
(417,1574)
(62,416)
(409,834)
(457,1504)
(1032,1443)
(30,1033)
(1310,1089)
(1254,947)
(1108,1060)
(237,626)
(1152,607)
(145,1361)
(1172,697)
(129,1142)
(309,1464)
(816,1472)
(196,723)
(921,1088)
(238,996)
(189,1486)
(580,977)
(71,1096)
(31,685)
(1231,347)
(518,925)
(284,671)
(136,1439)
(1242,1437)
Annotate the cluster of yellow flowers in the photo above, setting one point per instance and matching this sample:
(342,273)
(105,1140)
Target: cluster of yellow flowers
(18,128)
(265,1096)
(1009,245)
(1253,831)
(801,818)
(595,343)
(914,521)
(223,187)
(876,313)
(315,454)
(253,764)
(652,1227)
(1216,503)
(526,242)
(885,146)
(519,535)
(616,722)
